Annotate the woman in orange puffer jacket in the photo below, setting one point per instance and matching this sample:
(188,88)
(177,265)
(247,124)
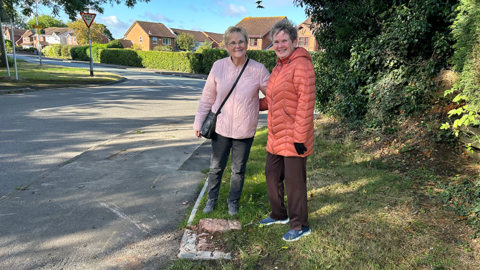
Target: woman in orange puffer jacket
(290,100)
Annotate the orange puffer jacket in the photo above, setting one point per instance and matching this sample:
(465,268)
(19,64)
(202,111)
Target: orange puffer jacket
(290,100)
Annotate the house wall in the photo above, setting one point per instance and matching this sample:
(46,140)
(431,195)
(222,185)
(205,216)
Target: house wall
(134,35)
(160,42)
(312,42)
(262,43)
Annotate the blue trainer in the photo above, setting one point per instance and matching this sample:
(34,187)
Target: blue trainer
(270,221)
(293,235)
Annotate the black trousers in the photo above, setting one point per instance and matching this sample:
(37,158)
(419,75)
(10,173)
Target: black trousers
(221,147)
(292,170)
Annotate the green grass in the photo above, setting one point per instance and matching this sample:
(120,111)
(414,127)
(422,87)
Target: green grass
(362,216)
(45,75)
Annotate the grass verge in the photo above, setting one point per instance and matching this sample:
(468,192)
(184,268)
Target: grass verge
(45,76)
(365,213)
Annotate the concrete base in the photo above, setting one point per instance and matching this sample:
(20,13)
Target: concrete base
(188,249)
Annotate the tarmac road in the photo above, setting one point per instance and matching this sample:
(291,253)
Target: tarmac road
(107,173)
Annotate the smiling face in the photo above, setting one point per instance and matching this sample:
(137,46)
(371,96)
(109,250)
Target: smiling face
(237,45)
(283,45)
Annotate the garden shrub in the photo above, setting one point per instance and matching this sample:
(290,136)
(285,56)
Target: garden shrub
(466,32)
(79,53)
(161,48)
(47,51)
(379,59)
(8,45)
(172,61)
(120,57)
(210,56)
(115,44)
(65,52)
(267,58)
(56,50)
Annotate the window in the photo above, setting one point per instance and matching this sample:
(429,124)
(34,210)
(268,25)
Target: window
(140,39)
(26,39)
(166,41)
(303,41)
(154,40)
(253,41)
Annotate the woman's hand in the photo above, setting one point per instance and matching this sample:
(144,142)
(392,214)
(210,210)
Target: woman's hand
(197,133)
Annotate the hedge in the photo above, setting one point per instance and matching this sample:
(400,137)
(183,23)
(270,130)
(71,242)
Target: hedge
(268,58)
(95,49)
(172,61)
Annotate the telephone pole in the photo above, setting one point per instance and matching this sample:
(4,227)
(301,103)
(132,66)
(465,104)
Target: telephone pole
(36,32)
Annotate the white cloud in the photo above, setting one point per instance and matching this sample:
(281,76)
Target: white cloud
(232,10)
(196,28)
(117,27)
(157,17)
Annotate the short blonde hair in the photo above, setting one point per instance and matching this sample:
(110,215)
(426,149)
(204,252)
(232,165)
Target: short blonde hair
(234,29)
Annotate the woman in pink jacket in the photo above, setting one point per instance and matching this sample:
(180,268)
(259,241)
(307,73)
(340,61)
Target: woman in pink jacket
(237,122)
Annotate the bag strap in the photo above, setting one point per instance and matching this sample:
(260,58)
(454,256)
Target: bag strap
(235,84)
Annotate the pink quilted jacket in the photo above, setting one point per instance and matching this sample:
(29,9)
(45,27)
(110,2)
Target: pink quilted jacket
(239,116)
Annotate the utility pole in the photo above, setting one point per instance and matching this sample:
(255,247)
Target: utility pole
(36,32)
(13,47)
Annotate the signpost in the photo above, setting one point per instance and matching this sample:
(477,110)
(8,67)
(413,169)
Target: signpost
(88,19)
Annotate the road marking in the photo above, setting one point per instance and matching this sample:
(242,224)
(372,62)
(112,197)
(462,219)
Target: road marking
(11,214)
(80,104)
(115,209)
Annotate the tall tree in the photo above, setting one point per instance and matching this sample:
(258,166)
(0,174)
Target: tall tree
(71,8)
(81,31)
(106,32)
(46,21)
(379,56)
(186,42)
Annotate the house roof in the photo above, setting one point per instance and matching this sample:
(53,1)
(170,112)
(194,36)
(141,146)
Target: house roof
(199,36)
(259,26)
(218,38)
(55,30)
(16,32)
(126,43)
(308,23)
(27,34)
(152,29)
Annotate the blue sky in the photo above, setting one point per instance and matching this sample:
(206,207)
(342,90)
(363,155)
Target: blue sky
(203,15)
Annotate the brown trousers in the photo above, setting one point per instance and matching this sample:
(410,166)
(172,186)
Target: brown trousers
(294,171)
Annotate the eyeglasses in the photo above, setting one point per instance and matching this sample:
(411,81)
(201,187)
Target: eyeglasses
(233,44)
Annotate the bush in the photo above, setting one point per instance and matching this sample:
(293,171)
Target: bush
(115,44)
(173,61)
(204,46)
(210,56)
(381,57)
(161,48)
(65,52)
(8,45)
(466,32)
(79,53)
(120,57)
(267,58)
(56,50)
(47,51)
